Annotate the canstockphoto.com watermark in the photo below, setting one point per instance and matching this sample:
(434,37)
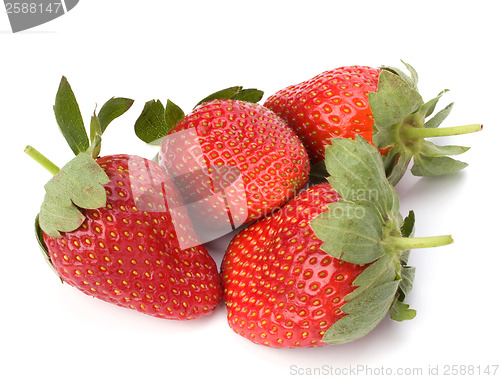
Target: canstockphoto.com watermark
(471,370)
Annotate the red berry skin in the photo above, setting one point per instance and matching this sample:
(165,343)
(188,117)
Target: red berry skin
(280,288)
(249,139)
(127,253)
(332,104)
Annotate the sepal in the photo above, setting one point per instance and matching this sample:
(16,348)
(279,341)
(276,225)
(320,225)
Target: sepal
(394,100)
(318,173)
(436,166)
(407,231)
(367,230)
(251,95)
(79,184)
(69,118)
(95,136)
(70,121)
(43,247)
(357,174)
(112,109)
(368,304)
(173,114)
(411,80)
(400,124)
(156,120)
(363,314)
(402,312)
(406,285)
(151,125)
(439,117)
(357,228)
(431,150)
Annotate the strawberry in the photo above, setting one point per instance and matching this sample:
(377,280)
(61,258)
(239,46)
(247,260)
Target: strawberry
(332,104)
(329,265)
(106,228)
(280,288)
(229,146)
(126,255)
(381,105)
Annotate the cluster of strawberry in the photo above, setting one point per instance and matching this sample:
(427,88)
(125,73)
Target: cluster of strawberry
(321,253)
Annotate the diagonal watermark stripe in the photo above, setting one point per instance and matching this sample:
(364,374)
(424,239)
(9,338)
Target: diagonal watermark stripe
(205,202)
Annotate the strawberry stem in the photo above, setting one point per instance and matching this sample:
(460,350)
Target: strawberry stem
(414,133)
(42,160)
(405,243)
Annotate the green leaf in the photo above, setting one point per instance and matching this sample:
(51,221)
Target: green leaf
(352,232)
(396,164)
(431,150)
(113,108)
(386,137)
(439,117)
(411,80)
(413,74)
(363,314)
(406,285)
(436,166)
(251,95)
(402,312)
(318,173)
(400,124)
(43,247)
(151,125)
(79,184)
(56,217)
(353,228)
(173,115)
(95,126)
(226,93)
(95,147)
(69,118)
(95,133)
(408,228)
(428,108)
(357,173)
(369,230)
(383,270)
(394,100)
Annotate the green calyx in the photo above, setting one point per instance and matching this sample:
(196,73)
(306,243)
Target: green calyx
(157,120)
(401,122)
(365,227)
(78,184)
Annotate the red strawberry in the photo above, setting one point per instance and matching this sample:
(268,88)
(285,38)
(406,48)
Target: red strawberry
(332,104)
(381,105)
(280,288)
(233,160)
(109,227)
(128,253)
(238,147)
(324,269)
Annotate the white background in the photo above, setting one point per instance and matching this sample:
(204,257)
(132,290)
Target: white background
(184,50)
